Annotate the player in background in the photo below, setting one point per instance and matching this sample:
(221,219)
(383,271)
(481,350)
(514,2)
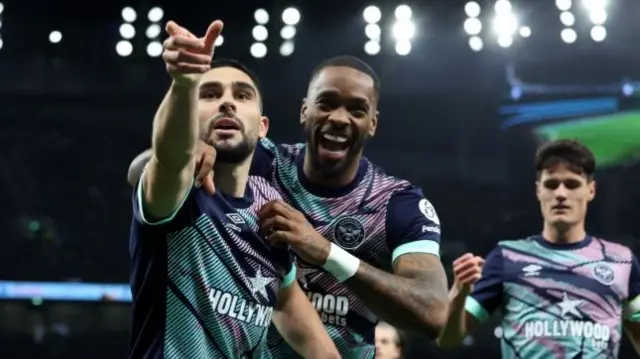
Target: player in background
(563,293)
(388,342)
(368,242)
(204,284)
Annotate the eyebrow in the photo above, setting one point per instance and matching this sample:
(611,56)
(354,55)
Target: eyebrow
(361,101)
(238,85)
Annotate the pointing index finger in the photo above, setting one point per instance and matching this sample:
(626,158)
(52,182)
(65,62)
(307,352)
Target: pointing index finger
(213,31)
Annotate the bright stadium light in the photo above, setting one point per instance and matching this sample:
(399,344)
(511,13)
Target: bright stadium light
(472,9)
(373,32)
(598,33)
(128,14)
(258,50)
(127,31)
(598,16)
(372,47)
(155,14)
(403,13)
(261,16)
(505,24)
(525,31)
(567,18)
(569,36)
(505,41)
(291,16)
(153,31)
(475,43)
(154,49)
(287,48)
(372,14)
(260,33)
(55,37)
(1,43)
(124,48)
(288,32)
(219,41)
(403,30)
(503,7)
(403,47)
(1,8)
(563,5)
(472,26)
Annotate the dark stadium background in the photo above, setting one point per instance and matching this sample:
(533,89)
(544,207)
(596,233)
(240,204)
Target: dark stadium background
(74,113)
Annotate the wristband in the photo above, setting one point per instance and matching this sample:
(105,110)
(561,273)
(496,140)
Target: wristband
(341,264)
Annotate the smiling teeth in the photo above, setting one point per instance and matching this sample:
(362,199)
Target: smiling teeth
(333,138)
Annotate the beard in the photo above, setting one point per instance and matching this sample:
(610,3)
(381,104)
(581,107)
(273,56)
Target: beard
(234,154)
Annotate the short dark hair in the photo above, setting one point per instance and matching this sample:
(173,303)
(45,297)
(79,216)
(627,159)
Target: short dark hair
(571,153)
(217,63)
(352,62)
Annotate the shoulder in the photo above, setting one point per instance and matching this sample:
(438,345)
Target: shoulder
(262,188)
(282,150)
(614,250)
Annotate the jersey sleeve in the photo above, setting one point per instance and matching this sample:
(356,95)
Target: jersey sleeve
(263,159)
(632,308)
(286,259)
(487,292)
(412,224)
(142,218)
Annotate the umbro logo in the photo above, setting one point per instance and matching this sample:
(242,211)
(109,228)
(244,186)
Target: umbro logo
(235,218)
(532,270)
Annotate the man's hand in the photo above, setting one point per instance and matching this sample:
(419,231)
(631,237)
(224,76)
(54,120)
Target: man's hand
(206,158)
(467,269)
(282,224)
(187,56)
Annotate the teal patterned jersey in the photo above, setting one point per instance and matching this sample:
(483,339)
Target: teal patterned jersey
(204,283)
(377,218)
(559,301)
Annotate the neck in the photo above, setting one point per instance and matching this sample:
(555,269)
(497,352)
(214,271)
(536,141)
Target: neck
(231,179)
(571,234)
(323,179)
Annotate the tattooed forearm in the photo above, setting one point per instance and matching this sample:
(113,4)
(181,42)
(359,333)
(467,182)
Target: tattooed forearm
(414,299)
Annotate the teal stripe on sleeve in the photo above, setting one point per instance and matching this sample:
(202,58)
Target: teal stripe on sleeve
(421,246)
(140,195)
(474,308)
(289,278)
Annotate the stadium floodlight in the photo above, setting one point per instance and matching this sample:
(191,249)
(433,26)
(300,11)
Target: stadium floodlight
(154,49)
(1,8)
(503,7)
(153,31)
(291,16)
(472,9)
(372,47)
(598,33)
(1,43)
(505,24)
(567,18)
(505,40)
(261,16)
(288,32)
(475,43)
(598,16)
(155,14)
(472,26)
(55,37)
(403,13)
(124,48)
(219,41)
(373,31)
(258,50)
(569,36)
(563,5)
(127,31)
(525,31)
(372,14)
(260,33)
(402,30)
(287,48)
(129,14)
(403,47)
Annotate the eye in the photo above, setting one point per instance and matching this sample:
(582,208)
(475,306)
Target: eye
(208,95)
(244,96)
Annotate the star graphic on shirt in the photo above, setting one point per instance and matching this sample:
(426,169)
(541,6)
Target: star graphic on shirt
(570,306)
(259,284)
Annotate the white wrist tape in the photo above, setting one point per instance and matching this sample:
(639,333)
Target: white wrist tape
(341,264)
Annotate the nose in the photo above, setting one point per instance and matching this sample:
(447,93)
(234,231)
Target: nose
(227,107)
(339,117)
(561,192)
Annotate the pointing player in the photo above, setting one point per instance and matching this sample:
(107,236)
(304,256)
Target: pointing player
(204,284)
(369,242)
(562,294)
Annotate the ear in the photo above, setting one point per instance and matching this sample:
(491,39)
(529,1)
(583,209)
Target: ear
(538,190)
(374,124)
(264,127)
(592,190)
(303,110)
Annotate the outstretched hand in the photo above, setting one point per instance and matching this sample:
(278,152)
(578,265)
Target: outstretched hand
(186,56)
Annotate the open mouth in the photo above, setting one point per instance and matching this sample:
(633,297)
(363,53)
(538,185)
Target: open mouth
(226,126)
(333,146)
(560,208)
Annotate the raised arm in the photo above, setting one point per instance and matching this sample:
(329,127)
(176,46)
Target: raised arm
(299,324)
